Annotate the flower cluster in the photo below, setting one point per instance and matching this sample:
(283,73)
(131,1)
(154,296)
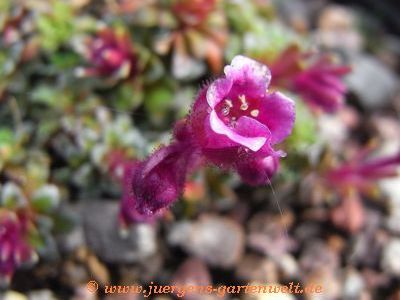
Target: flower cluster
(14,248)
(315,78)
(109,52)
(234,124)
(361,174)
(353,179)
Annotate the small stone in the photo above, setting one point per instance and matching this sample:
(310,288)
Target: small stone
(353,285)
(145,271)
(333,131)
(103,235)
(82,293)
(74,274)
(266,230)
(390,261)
(288,266)
(337,30)
(336,17)
(295,13)
(388,129)
(193,272)
(217,240)
(349,214)
(375,279)
(257,268)
(329,282)
(41,295)
(373,82)
(12,295)
(317,256)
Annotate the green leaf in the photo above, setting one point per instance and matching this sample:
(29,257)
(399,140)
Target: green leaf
(50,96)
(304,131)
(36,240)
(12,196)
(46,199)
(56,28)
(64,222)
(6,137)
(65,60)
(128,97)
(158,99)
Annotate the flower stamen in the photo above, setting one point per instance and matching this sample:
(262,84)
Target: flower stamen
(244,105)
(254,113)
(229,103)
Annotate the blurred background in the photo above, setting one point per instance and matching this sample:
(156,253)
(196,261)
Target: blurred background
(86,83)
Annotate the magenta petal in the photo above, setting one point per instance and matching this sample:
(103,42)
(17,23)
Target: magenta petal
(278,113)
(14,248)
(321,85)
(128,212)
(159,180)
(249,132)
(218,90)
(242,68)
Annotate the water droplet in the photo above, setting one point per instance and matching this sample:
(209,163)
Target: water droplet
(225,111)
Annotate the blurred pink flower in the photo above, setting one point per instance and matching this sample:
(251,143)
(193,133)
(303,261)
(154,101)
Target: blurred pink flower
(128,211)
(361,174)
(349,214)
(317,79)
(321,86)
(158,181)
(124,169)
(14,249)
(110,53)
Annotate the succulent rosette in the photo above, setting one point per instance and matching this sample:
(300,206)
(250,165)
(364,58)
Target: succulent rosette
(110,53)
(193,12)
(198,34)
(236,119)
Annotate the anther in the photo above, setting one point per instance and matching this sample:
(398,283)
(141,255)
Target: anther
(229,103)
(244,105)
(254,113)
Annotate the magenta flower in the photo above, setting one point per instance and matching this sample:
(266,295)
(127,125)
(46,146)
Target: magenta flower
(110,53)
(362,174)
(317,80)
(124,170)
(321,85)
(14,250)
(235,119)
(234,123)
(159,180)
(128,211)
